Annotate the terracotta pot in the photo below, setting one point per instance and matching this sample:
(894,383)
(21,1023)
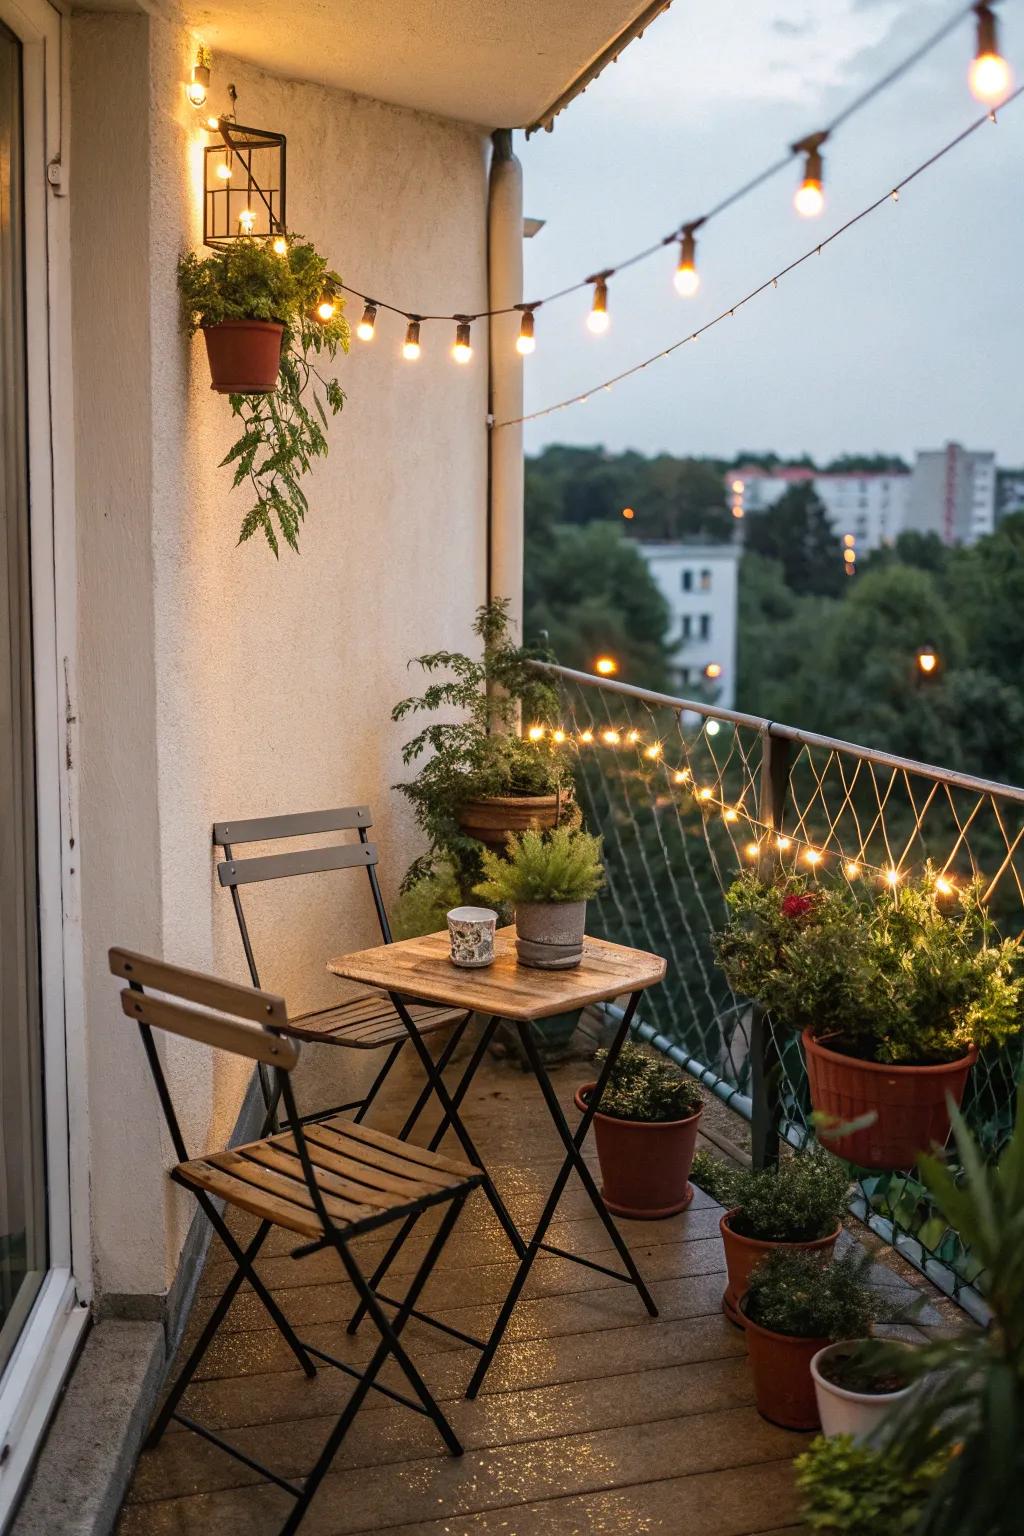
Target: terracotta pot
(843,1412)
(743,1254)
(645,1165)
(781,1368)
(491,818)
(549,934)
(245,356)
(909,1103)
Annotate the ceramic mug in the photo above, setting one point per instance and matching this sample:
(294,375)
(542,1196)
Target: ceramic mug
(471,930)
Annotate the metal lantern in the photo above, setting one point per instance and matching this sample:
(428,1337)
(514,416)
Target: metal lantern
(243,184)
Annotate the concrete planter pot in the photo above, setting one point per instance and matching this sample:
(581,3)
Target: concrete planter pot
(645,1164)
(244,355)
(743,1254)
(492,818)
(909,1103)
(843,1412)
(549,934)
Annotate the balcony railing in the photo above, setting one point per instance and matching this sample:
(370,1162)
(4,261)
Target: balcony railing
(686,794)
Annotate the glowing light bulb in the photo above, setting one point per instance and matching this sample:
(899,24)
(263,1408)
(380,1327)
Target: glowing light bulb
(852,869)
(927,660)
(681,776)
(752,850)
(737,486)
(704,794)
(812,856)
(525,341)
(325,310)
(687,278)
(713,669)
(280,246)
(246,221)
(558,737)
(849,557)
(365,328)
(224,171)
(892,877)
(411,344)
(597,320)
(633,737)
(628,514)
(213,123)
(536,733)
(943,886)
(809,199)
(196,89)
(610,738)
(607,666)
(730,814)
(712,728)
(653,751)
(782,843)
(462,349)
(989,76)
(586,737)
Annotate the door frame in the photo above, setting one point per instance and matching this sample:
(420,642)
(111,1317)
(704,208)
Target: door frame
(36,1371)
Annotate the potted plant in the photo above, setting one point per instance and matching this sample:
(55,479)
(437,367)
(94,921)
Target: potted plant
(856,1386)
(481,779)
(852,1489)
(268,309)
(796,1205)
(893,995)
(548,880)
(795,1304)
(646,1131)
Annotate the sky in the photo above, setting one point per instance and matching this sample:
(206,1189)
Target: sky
(906,332)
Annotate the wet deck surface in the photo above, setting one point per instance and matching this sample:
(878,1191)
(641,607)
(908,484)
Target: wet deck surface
(594,1417)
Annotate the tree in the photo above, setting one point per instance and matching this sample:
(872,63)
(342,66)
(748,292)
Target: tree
(671,498)
(796,532)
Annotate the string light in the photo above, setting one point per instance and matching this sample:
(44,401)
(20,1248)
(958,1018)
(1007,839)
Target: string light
(525,341)
(653,751)
(411,345)
(607,666)
(280,246)
(812,856)
(892,877)
(325,310)
(753,850)
(730,814)
(944,887)
(633,737)
(782,843)
(586,737)
(681,776)
(989,76)
(462,350)
(197,87)
(852,869)
(246,221)
(367,325)
(597,320)
(809,198)
(558,737)
(713,669)
(224,169)
(628,514)
(712,727)
(610,738)
(704,794)
(687,278)
(536,733)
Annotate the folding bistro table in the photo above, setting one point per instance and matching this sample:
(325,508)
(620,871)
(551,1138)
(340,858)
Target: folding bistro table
(416,970)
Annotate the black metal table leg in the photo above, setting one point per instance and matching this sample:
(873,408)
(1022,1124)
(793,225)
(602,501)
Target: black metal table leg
(573,1159)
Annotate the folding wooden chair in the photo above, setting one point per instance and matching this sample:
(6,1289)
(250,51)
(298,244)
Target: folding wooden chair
(368,1020)
(328,1183)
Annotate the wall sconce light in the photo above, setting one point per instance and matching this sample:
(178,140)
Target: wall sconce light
(248,201)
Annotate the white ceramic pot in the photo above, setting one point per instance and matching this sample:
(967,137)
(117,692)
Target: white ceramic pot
(843,1412)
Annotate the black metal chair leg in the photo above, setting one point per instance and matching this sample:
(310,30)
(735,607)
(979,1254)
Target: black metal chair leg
(378,1081)
(428,1088)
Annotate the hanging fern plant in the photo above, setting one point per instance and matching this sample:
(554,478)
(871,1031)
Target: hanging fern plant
(286,283)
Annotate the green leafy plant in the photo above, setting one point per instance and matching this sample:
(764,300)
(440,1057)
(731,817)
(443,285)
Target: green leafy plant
(801,1199)
(911,976)
(852,1489)
(808,1297)
(481,752)
(647,1086)
(559,866)
(285,430)
(424,906)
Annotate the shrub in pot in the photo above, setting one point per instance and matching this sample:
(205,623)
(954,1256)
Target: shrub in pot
(795,1304)
(796,1205)
(857,1384)
(645,1131)
(548,880)
(893,993)
(263,315)
(852,1489)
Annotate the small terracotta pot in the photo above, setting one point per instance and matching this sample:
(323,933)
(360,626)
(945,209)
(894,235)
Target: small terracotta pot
(645,1164)
(781,1368)
(909,1103)
(244,355)
(744,1254)
(843,1412)
(491,818)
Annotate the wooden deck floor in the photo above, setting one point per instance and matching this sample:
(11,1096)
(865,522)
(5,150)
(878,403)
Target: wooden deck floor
(594,1418)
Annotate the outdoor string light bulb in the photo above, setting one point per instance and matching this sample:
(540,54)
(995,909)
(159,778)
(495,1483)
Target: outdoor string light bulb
(280,246)
(852,869)
(411,344)
(200,82)
(536,733)
(753,850)
(224,170)
(364,330)
(809,199)
(325,310)
(597,320)
(607,666)
(246,221)
(687,278)
(989,76)
(713,669)
(462,349)
(525,341)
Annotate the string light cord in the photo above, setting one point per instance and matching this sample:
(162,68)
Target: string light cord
(773,281)
(793,152)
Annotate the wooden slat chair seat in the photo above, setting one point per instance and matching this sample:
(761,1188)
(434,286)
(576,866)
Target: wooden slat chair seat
(369,1021)
(361,1173)
(326,1182)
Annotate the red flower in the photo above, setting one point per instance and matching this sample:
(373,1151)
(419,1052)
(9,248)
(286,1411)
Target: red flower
(796,906)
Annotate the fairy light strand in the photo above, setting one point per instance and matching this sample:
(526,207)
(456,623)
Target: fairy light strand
(889,196)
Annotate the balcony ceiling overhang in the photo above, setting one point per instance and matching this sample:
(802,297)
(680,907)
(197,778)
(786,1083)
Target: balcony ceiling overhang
(498,63)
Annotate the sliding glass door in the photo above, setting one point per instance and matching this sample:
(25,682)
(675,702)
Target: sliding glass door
(23,1226)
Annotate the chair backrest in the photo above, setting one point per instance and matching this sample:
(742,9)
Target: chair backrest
(228,1017)
(234,873)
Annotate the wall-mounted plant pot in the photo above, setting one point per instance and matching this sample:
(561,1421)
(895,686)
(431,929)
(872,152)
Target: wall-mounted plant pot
(743,1254)
(245,356)
(781,1367)
(909,1104)
(645,1164)
(491,818)
(549,934)
(845,1412)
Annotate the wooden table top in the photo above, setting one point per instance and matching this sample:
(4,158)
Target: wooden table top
(422,968)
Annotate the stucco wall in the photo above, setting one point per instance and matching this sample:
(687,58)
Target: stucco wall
(216,681)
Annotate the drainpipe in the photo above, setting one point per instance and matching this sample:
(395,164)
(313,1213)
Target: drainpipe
(505,287)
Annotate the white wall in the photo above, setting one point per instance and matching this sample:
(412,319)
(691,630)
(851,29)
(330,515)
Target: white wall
(215,681)
(709,592)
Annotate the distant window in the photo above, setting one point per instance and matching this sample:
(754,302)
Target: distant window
(684,676)
(687,626)
(705,581)
(687,581)
(705,626)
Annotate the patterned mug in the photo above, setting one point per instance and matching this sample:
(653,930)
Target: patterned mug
(471,930)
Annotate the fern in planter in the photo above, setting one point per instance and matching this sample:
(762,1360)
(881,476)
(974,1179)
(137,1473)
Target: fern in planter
(564,866)
(284,430)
